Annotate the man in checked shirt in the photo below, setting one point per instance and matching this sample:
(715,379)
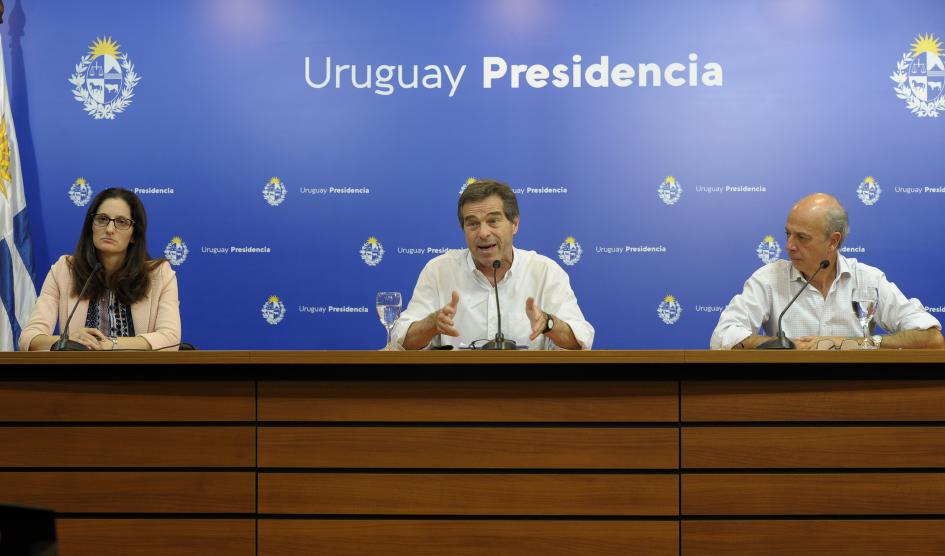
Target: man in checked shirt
(823,317)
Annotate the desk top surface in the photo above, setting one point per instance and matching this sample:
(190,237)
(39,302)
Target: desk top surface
(413,358)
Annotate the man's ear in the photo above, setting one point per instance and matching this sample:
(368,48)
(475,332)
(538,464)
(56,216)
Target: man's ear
(835,241)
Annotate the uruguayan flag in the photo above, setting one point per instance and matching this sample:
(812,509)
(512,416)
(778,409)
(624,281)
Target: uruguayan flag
(17,286)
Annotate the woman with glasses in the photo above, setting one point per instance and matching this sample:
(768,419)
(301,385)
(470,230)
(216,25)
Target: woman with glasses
(131,299)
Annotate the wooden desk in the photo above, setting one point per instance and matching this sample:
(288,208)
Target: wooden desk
(607,452)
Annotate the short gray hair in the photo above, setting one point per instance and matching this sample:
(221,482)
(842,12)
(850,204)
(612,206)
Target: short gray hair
(836,221)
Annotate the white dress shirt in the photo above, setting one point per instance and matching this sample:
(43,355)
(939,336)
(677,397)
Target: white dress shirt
(768,291)
(531,275)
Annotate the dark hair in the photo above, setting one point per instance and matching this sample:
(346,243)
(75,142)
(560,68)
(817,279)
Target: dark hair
(481,189)
(130,282)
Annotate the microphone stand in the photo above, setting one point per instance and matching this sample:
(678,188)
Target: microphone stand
(782,341)
(64,343)
(499,343)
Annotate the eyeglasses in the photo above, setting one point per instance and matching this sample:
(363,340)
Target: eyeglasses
(121,223)
(849,343)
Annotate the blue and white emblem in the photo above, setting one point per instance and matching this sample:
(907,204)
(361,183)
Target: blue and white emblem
(372,252)
(80,193)
(869,191)
(768,250)
(466,184)
(670,190)
(570,251)
(274,192)
(920,77)
(273,310)
(104,80)
(669,310)
(176,251)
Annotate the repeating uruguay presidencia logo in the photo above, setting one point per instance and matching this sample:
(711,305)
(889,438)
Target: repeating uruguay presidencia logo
(273,310)
(670,191)
(274,192)
(104,80)
(920,77)
(869,191)
(372,252)
(469,181)
(768,250)
(669,310)
(176,251)
(80,193)
(570,251)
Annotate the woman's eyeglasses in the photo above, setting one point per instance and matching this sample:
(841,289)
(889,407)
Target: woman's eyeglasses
(121,223)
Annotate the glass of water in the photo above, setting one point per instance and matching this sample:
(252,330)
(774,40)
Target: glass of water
(864,306)
(388,309)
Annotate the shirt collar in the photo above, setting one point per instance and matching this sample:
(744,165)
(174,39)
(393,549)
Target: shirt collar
(843,269)
(516,263)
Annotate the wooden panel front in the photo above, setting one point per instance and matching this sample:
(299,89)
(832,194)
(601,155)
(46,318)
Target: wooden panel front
(157,537)
(469,401)
(814,400)
(467,494)
(135,492)
(813,447)
(127,446)
(813,538)
(478,360)
(467,538)
(469,447)
(127,401)
(814,494)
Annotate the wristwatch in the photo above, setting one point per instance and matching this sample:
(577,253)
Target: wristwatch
(114,340)
(549,323)
(877,341)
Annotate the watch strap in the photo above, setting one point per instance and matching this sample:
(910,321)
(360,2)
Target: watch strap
(549,324)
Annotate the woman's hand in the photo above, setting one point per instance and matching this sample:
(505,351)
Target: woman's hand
(90,338)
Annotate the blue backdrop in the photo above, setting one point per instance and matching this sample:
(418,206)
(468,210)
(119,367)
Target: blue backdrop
(260,183)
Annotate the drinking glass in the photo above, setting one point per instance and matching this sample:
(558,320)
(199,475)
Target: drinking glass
(388,309)
(864,306)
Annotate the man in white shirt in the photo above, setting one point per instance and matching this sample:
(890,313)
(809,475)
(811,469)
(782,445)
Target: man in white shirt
(454,301)
(823,316)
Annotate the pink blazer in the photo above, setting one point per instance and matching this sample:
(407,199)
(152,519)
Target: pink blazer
(156,317)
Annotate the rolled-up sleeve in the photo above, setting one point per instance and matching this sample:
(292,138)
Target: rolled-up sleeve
(558,299)
(895,312)
(743,316)
(425,300)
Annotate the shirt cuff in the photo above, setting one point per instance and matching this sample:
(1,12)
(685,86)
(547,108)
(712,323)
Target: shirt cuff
(920,321)
(582,334)
(731,337)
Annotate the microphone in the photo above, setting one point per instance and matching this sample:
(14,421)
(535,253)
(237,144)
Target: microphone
(499,342)
(782,341)
(64,343)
